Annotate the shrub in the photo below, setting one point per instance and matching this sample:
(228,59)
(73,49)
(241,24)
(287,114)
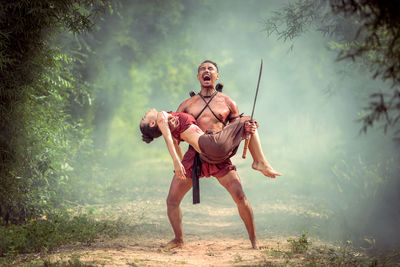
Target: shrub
(300,245)
(54,231)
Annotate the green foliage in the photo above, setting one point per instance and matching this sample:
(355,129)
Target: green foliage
(365,31)
(73,262)
(49,233)
(58,101)
(302,253)
(341,256)
(295,18)
(47,148)
(379,34)
(358,176)
(128,67)
(39,135)
(362,187)
(301,244)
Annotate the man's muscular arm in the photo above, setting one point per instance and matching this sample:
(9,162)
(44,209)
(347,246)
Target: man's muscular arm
(234,114)
(182,106)
(234,110)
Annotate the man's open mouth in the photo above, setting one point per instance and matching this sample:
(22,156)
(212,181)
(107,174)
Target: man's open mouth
(206,78)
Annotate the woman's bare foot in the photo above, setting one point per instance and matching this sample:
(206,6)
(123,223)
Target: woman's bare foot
(174,243)
(265,169)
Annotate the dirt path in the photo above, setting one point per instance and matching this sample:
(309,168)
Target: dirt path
(214,236)
(198,251)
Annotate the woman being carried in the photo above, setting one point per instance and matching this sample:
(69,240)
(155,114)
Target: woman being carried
(212,147)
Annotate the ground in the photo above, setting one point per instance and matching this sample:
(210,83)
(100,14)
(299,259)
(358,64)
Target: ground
(215,236)
(198,251)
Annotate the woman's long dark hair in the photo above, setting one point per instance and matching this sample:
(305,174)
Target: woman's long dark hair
(149,133)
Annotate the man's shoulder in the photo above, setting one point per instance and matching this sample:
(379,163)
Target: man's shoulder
(220,94)
(187,103)
(228,100)
(191,100)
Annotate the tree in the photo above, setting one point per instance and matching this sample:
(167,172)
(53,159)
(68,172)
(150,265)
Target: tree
(365,31)
(35,80)
(61,90)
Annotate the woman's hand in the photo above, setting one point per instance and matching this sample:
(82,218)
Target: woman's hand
(180,171)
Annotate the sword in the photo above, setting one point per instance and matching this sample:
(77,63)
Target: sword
(248,136)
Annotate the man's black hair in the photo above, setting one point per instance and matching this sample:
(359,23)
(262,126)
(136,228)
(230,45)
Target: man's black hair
(208,61)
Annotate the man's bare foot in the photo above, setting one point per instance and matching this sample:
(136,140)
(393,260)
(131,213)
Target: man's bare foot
(265,169)
(174,243)
(256,245)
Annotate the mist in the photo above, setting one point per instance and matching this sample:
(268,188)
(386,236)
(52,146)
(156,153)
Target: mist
(338,184)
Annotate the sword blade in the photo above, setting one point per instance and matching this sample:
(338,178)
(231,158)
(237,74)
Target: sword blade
(258,86)
(248,136)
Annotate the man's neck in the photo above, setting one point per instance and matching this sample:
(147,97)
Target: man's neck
(207,91)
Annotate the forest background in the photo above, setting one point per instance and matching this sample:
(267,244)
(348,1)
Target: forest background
(77,76)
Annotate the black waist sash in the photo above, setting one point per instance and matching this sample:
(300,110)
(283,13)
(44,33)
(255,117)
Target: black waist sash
(196,169)
(196,172)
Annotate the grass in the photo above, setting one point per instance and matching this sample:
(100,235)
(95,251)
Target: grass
(301,244)
(74,261)
(79,228)
(46,234)
(63,228)
(238,258)
(300,252)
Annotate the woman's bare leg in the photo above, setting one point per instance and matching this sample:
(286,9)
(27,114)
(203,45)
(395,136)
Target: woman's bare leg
(260,163)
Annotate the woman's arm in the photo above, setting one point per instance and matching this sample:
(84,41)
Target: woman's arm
(178,148)
(162,122)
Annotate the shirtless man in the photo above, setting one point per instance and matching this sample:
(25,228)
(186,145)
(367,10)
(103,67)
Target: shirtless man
(222,110)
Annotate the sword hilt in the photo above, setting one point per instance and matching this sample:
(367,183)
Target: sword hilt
(246,145)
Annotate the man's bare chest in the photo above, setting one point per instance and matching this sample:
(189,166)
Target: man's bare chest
(217,109)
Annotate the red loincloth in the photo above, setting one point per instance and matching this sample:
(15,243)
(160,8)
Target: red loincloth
(207,169)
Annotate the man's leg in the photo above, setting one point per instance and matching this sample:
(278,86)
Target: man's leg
(177,191)
(231,182)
